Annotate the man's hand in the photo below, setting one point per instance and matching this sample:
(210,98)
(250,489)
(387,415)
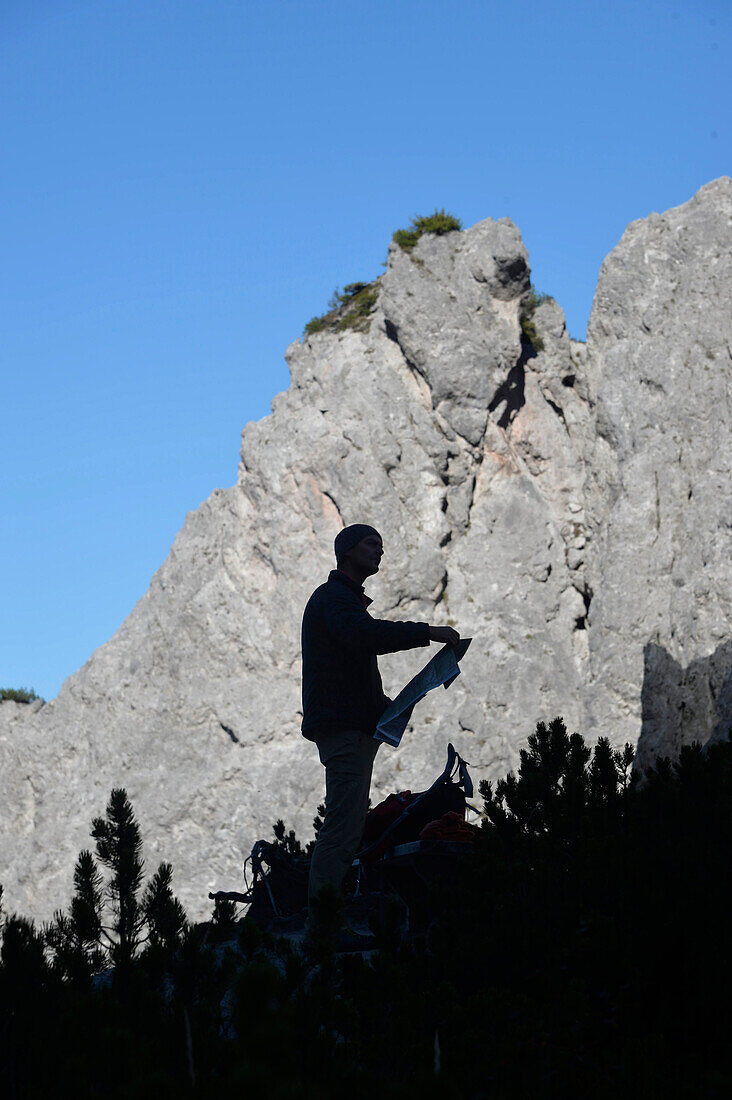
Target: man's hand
(444,634)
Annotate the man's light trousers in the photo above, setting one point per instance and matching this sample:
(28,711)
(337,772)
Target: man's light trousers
(348,759)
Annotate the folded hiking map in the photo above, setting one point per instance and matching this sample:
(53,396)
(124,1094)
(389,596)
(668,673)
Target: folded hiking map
(441,669)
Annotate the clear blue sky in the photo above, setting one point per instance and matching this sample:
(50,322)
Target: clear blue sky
(185,182)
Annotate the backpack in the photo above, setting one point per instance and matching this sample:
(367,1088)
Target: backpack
(401,817)
(279,885)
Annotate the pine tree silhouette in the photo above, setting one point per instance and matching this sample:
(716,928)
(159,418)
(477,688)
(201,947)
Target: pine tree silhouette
(163,913)
(119,847)
(75,939)
(562,785)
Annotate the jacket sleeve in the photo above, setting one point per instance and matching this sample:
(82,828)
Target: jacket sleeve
(352,626)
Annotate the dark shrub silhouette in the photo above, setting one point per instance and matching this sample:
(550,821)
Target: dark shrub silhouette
(75,938)
(582,948)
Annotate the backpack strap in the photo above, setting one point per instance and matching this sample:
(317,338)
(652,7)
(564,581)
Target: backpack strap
(465,781)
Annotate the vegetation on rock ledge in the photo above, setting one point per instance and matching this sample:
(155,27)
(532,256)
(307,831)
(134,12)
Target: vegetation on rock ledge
(19,695)
(438,223)
(529,306)
(352,307)
(349,308)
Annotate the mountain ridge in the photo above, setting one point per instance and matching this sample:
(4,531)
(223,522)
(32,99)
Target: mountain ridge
(536,496)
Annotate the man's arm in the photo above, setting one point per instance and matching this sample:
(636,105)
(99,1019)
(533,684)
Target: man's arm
(353,627)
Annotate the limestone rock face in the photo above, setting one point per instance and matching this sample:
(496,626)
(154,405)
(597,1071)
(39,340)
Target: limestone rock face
(566,505)
(659,469)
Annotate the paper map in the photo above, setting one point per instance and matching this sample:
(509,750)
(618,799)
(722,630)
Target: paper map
(440,670)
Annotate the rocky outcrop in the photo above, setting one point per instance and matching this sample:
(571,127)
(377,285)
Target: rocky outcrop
(567,505)
(659,470)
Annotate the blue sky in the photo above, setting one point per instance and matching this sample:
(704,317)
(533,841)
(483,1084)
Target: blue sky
(184,183)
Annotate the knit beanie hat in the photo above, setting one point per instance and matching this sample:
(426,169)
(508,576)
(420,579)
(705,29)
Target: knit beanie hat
(349,537)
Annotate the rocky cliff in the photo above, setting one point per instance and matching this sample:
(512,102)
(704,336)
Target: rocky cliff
(568,505)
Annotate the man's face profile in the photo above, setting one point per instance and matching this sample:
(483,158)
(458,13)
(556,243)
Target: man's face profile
(366,555)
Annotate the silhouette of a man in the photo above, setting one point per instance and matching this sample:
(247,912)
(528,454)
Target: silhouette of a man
(342,694)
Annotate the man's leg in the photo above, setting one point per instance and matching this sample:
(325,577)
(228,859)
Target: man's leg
(348,757)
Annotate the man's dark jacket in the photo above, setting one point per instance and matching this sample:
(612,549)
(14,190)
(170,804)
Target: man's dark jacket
(341,684)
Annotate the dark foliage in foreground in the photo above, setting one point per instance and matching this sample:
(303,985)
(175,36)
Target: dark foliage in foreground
(581,949)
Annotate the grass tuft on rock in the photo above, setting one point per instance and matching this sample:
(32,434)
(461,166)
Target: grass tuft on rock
(438,223)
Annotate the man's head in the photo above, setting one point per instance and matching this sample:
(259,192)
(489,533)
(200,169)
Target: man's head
(358,550)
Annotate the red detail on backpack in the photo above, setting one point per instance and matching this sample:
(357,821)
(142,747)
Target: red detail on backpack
(451,826)
(381,816)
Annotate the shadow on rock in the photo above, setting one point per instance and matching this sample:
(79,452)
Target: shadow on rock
(681,705)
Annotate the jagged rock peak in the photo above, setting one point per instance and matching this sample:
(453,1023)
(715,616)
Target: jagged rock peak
(568,505)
